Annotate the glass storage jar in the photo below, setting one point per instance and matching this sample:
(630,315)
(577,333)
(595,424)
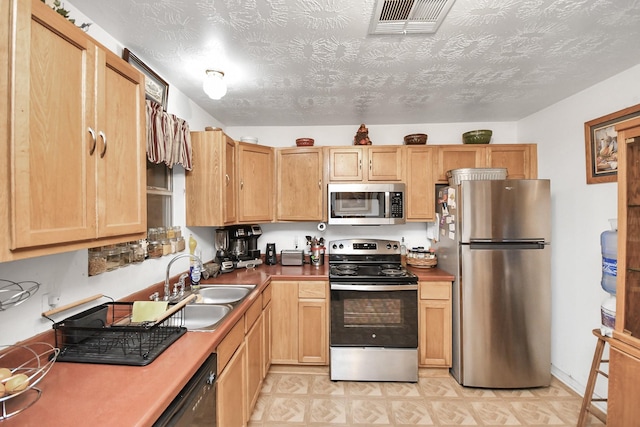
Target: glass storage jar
(125,255)
(181,245)
(154,249)
(137,253)
(152,234)
(113,258)
(97,262)
(162,233)
(166,247)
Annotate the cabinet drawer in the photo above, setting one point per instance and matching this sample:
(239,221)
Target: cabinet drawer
(435,290)
(252,314)
(266,296)
(229,345)
(312,290)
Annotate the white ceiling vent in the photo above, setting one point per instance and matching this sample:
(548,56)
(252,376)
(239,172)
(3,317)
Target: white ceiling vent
(409,16)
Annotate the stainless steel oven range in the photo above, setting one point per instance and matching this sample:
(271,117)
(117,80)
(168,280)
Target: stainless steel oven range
(374,312)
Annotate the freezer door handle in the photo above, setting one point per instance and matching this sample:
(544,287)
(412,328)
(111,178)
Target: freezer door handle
(507,245)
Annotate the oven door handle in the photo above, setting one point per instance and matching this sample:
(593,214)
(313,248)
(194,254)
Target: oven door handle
(369,288)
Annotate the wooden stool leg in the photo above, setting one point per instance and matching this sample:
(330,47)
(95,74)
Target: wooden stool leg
(591,383)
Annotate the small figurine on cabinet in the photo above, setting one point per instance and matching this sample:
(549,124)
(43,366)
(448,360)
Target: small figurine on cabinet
(362,136)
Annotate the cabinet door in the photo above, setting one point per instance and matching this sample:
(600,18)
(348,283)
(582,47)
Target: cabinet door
(434,324)
(384,163)
(624,388)
(284,323)
(266,333)
(313,339)
(516,158)
(420,192)
(255,186)
(254,349)
(435,341)
(299,195)
(229,176)
(211,179)
(52,157)
(457,157)
(345,164)
(231,394)
(121,148)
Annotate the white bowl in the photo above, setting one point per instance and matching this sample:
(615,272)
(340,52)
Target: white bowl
(251,139)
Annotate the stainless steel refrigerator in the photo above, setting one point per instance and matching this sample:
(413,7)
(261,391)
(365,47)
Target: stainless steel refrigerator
(494,236)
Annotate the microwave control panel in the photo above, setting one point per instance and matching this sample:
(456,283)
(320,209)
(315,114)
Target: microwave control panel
(396,205)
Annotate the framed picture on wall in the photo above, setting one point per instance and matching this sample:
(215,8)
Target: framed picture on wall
(601,143)
(155,88)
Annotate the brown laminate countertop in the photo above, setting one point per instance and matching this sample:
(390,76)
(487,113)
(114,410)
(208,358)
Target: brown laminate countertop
(112,395)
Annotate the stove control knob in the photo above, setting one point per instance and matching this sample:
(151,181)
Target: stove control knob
(334,246)
(395,246)
(341,246)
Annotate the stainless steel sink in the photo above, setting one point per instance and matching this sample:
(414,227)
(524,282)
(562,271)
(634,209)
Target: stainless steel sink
(204,316)
(223,294)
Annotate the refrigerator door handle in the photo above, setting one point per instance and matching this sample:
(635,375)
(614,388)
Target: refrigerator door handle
(507,245)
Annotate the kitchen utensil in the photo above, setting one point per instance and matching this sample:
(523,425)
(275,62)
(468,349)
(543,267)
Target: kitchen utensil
(271,258)
(482,136)
(415,139)
(291,257)
(147,311)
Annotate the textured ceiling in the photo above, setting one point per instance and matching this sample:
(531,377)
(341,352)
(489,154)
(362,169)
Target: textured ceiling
(312,62)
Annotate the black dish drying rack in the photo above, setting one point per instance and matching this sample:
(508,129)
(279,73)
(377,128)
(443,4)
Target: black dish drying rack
(105,334)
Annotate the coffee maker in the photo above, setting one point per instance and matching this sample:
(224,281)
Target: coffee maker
(223,257)
(243,245)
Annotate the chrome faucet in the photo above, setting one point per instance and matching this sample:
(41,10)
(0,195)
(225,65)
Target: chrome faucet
(167,286)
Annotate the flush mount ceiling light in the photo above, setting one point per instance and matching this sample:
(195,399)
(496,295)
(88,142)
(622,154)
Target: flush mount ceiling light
(408,16)
(214,85)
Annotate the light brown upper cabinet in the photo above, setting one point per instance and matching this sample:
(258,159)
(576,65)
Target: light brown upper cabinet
(300,195)
(75,160)
(420,186)
(211,184)
(520,160)
(366,163)
(255,186)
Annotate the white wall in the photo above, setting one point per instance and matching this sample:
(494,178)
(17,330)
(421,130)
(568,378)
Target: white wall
(580,212)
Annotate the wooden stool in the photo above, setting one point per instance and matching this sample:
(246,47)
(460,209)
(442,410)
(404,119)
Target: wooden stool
(587,406)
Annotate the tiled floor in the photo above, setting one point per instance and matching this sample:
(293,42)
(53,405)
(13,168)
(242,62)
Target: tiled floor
(309,398)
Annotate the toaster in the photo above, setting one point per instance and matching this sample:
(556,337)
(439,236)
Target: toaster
(291,257)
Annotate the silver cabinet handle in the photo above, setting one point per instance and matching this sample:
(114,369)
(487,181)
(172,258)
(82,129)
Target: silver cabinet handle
(93,138)
(319,184)
(226,176)
(104,139)
(370,164)
(360,164)
(241,184)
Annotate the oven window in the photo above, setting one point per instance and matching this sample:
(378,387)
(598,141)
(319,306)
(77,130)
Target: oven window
(383,312)
(374,318)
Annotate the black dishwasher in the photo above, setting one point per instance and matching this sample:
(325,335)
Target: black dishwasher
(195,405)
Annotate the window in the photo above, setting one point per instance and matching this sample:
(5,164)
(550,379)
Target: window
(159,195)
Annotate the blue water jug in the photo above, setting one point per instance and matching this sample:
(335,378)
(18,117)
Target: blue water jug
(609,244)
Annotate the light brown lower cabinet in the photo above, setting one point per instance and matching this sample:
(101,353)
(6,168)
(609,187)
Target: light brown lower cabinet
(254,349)
(231,395)
(243,363)
(434,325)
(624,385)
(300,325)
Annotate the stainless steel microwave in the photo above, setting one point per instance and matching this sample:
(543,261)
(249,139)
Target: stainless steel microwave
(366,204)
